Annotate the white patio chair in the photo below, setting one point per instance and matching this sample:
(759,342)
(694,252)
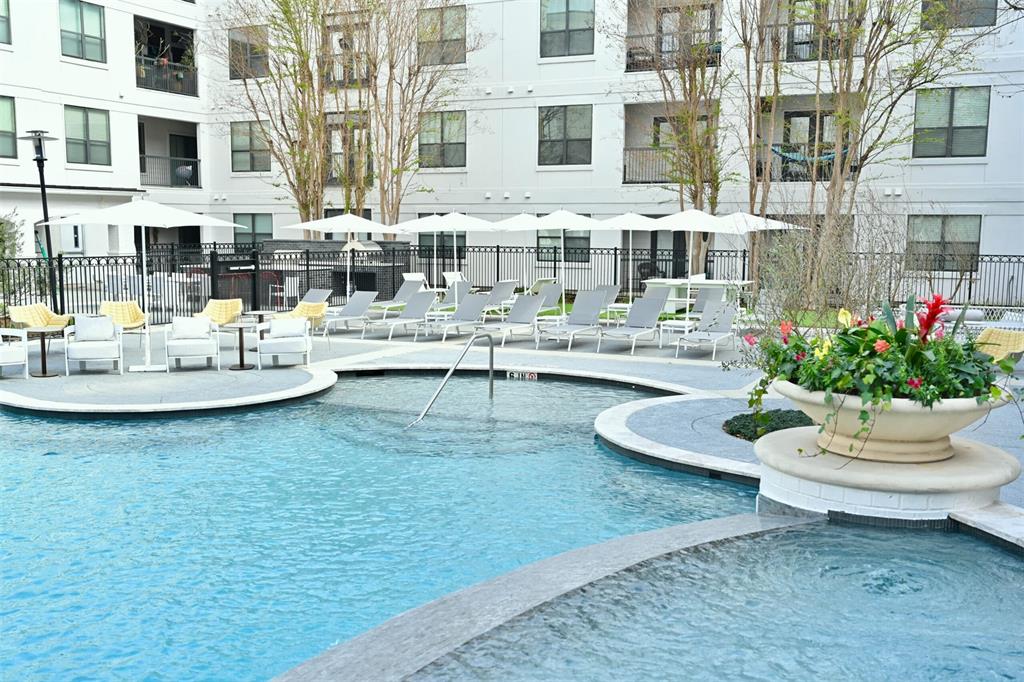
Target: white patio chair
(414,314)
(523,316)
(714,327)
(191,337)
(584,318)
(354,311)
(93,339)
(497,299)
(13,349)
(468,315)
(284,336)
(641,321)
(402,296)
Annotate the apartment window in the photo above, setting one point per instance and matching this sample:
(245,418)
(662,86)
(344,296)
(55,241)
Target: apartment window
(425,241)
(247,52)
(347,48)
(82,32)
(442,35)
(87,135)
(8,129)
(249,149)
(577,246)
(5,22)
(349,137)
(256,227)
(443,139)
(957,13)
(943,242)
(566,27)
(564,134)
(951,122)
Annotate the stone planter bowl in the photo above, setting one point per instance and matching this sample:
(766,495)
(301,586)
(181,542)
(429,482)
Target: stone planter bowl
(907,433)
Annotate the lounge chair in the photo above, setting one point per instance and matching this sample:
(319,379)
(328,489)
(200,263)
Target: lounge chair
(552,297)
(523,316)
(127,315)
(284,336)
(191,337)
(13,348)
(451,299)
(467,315)
(584,318)
(354,311)
(642,320)
(497,299)
(92,339)
(414,314)
(408,288)
(705,296)
(450,277)
(538,284)
(1001,343)
(611,293)
(317,296)
(714,327)
(651,292)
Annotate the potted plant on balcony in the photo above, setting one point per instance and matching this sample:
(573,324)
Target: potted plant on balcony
(890,390)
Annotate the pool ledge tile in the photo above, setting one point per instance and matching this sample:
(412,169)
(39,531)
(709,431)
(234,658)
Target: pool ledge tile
(1000,520)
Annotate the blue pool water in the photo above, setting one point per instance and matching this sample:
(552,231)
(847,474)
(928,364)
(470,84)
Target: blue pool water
(815,603)
(237,546)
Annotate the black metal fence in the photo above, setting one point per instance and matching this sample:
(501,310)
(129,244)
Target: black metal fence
(184,277)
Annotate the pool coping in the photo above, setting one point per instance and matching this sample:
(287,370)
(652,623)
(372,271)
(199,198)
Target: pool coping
(410,641)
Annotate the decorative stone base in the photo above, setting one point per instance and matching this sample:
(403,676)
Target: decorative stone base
(795,474)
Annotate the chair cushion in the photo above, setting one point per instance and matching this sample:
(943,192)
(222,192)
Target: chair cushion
(284,328)
(99,328)
(190,328)
(271,346)
(180,348)
(93,350)
(11,354)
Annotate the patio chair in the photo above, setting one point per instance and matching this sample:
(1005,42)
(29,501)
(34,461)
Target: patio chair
(452,297)
(221,311)
(191,337)
(523,316)
(414,314)
(401,297)
(317,296)
(13,349)
(450,277)
(551,295)
(284,336)
(468,314)
(1001,343)
(534,289)
(714,327)
(93,338)
(705,296)
(584,318)
(314,312)
(652,292)
(642,320)
(354,311)
(36,315)
(497,299)
(127,315)
(611,293)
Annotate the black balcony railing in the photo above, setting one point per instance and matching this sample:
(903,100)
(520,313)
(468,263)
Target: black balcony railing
(805,41)
(168,171)
(645,165)
(796,162)
(166,76)
(672,51)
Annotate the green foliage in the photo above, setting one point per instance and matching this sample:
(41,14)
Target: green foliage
(10,234)
(750,426)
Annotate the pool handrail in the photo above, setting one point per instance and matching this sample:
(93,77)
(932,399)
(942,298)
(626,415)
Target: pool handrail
(451,370)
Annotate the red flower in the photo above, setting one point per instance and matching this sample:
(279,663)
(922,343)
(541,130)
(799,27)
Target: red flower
(914,382)
(933,309)
(750,339)
(881,345)
(799,357)
(786,327)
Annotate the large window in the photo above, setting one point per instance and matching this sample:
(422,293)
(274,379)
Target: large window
(5,22)
(564,134)
(957,13)
(8,129)
(443,139)
(347,47)
(425,241)
(87,135)
(943,242)
(351,156)
(249,149)
(247,52)
(951,122)
(566,27)
(577,246)
(256,227)
(442,35)
(82,33)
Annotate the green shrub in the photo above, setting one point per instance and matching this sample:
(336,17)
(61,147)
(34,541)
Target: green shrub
(746,426)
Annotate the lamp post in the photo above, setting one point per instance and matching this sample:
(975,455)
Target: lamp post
(38,138)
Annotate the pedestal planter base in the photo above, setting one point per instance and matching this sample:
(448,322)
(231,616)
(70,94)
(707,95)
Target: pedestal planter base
(794,474)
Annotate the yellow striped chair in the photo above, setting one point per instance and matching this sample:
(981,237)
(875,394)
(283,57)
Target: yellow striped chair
(222,311)
(314,312)
(36,315)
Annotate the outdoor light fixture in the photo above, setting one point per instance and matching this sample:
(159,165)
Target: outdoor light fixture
(39,138)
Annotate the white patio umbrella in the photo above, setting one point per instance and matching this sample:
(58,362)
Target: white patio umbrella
(755,223)
(693,220)
(147,214)
(566,220)
(631,222)
(521,222)
(426,224)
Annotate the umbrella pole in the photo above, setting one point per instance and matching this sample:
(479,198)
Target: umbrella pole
(689,273)
(348,276)
(630,275)
(148,366)
(564,283)
(434,283)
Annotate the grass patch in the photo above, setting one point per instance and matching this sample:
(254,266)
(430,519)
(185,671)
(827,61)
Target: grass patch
(743,425)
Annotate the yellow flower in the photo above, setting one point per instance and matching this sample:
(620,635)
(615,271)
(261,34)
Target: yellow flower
(845,317)
(822,350)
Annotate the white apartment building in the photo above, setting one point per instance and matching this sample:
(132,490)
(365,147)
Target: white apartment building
(136,111)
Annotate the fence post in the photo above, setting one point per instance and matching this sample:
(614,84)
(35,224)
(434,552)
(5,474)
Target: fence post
(616,280)
(744,256)
(174,258)
(309,284)
(60,276)
(214,274)
(497,263)
(256,278)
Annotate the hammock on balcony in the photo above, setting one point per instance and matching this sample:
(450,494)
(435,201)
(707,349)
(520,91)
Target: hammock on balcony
(797,156)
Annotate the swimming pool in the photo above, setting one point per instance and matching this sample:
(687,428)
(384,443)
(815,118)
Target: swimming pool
(819,602)
(236,546)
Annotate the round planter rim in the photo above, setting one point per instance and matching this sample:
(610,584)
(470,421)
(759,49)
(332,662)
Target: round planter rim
(797,392)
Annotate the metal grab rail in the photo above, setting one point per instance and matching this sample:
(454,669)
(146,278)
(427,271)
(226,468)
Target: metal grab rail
(451,370)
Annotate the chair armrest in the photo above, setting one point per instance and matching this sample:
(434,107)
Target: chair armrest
(263,326)
(9,331)
(69,331)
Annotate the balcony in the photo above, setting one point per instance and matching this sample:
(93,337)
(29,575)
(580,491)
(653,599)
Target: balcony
(168,171)
(645,166)
(166,76)
(672,51)
(341,160)
(806,41)
(795,163)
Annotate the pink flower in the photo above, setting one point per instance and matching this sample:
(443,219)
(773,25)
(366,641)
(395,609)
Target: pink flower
(881,345)
(799,357)
(914,382)
(750,339)
(786,327)
(940,332)
(900,324)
